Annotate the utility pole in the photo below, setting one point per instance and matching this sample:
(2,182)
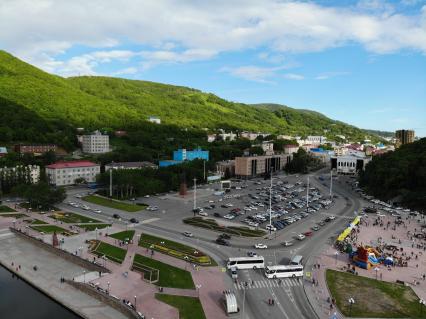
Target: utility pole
(270,205)
(307,196)
(110,182)
(195,193)
(204,163)
(331,184)
(244,302)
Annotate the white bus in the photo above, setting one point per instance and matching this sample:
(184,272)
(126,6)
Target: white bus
(284,271)
(246,262)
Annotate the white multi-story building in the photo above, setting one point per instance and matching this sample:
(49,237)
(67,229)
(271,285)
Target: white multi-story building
(154,119)
(66,173)
(316,140)
(32,172)
(349,164)
(96,143)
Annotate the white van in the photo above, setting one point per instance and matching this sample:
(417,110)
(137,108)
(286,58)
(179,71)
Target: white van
(296,260)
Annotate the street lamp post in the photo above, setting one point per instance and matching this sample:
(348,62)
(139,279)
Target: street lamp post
(351,302)
(331,183)
(135,303)
(421,303)
(307,197)
(244,302)
(376,269)
(195,193)
(84,276)
(270,206)
(335,256)
(109,284)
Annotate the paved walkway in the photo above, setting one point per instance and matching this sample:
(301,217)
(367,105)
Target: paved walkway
(368,235)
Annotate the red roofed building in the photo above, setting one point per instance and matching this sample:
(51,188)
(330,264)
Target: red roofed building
(66,173)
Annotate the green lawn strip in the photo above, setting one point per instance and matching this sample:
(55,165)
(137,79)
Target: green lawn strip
(13,215)
(36,222)
(111,252)
(189,307)
(176,250)
(170,276)
(90,227)
(48,229)
(123,235)
(113,203)
(213,225)
(373,298)
(73,218)
(6,209)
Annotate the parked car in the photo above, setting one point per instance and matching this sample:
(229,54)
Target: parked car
(203,214)
(217,215)
(222,241)
(187,234)
(287,243)
(315,227)
(300,237)
(308,233)
(260,246)
(251,254)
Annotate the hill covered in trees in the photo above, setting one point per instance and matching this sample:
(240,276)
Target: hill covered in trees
(104,102)
(399,175)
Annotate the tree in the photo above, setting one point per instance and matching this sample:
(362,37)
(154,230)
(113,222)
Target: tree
(40,195)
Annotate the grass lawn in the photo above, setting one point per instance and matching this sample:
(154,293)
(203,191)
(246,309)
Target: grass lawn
(123,235)
(111,252)
(170,276)
(176,250)
(113,203)
(6,209)
(36,222)
(373,298)
(13,215)
(73,218)
(189,307)
(48,229)
(90,227)
(231,230)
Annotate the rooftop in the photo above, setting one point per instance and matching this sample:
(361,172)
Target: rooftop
(71,164)
(130,164)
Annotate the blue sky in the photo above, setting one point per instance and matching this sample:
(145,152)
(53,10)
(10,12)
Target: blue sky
(361,62)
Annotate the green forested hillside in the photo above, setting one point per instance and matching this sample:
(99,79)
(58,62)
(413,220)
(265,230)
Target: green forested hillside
(102,102)
(400,174)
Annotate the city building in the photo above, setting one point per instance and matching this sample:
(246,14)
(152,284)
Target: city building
(96,143)
(34,148)
(31,173)
(185,155)
(340,150)
(154,119)
(316,140)
(290,148)
(322,155)
(226,168)
(211,138)
(349,164)
(130,165)
(259,165)
(228,136)
(252,136)
(166,163)
(66,173)
(267,147)
(3,151)
(405,136)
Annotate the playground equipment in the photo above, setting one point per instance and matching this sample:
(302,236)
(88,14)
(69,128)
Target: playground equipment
(367,257)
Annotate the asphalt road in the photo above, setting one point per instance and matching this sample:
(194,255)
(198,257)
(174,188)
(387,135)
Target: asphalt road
(291,300)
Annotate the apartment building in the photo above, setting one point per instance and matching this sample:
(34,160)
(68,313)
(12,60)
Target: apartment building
(96,143)
(258,165)
(130,165)
(405,136)
(66,173)
(34,148)
(31,173)
(349,164)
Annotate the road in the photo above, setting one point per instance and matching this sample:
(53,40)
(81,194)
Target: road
(291,300)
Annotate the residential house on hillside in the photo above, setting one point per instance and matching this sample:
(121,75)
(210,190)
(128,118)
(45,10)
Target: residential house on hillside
(316,140)
(290,148)
(3,151)
(95,143)
(154,119)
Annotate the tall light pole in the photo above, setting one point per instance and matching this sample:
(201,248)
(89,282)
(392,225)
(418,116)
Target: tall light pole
(331,184)
(204,166)
(109,284)
(110,182)
(195,193)
(135,303)
(244,302)
(307,196)
(270,205)
(422,303)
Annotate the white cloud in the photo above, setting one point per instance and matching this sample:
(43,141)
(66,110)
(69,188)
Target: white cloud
(328,75)
(293,76)
(126,71)
(182,31)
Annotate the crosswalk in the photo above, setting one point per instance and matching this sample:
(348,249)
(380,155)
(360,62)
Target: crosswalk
(5,233)
(271,283)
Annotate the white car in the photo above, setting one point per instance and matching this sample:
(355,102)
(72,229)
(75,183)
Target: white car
(97,211)
(187,234)
(260,246)
(301,237)
(332,217)
(270,227)
(287,243)
(203,214)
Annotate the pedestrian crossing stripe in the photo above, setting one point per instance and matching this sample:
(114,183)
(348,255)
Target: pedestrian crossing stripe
(286,282)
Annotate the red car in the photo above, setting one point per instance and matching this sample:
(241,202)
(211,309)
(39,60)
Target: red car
(308,233)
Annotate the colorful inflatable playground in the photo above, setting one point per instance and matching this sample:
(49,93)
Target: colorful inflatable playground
(367,257)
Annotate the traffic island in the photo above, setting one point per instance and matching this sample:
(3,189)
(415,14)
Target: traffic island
(231,230)
(362,297)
